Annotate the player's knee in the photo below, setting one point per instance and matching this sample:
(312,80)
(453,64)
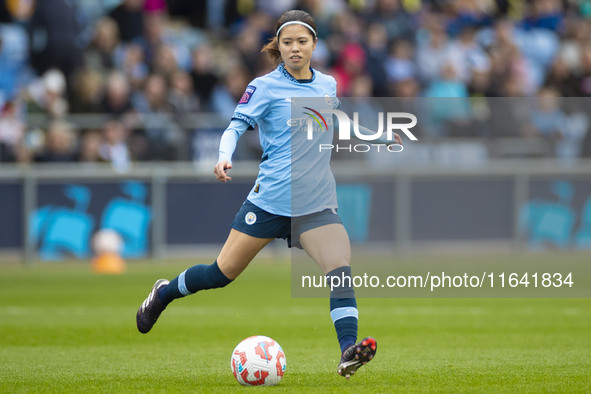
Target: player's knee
(333,263)
(230,269)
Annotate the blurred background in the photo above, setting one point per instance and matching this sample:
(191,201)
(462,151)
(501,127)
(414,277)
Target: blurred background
(111,113)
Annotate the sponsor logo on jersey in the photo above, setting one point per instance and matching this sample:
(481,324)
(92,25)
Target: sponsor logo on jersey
(318,115)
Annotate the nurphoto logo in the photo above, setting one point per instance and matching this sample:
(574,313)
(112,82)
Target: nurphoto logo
(388,124)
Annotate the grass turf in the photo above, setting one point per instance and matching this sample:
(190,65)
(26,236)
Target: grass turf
(64,329)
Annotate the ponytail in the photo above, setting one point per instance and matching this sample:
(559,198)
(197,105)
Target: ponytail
(272,49)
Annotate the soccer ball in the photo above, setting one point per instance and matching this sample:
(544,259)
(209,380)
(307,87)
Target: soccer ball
(258,361)
(107,241)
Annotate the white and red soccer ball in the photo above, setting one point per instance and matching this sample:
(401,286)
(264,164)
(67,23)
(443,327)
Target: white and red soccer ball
(258,361)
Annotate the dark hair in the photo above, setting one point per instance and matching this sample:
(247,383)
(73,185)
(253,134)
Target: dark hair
(272,48)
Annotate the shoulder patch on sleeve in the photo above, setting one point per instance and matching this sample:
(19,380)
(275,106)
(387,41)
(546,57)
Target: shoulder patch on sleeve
(247,94)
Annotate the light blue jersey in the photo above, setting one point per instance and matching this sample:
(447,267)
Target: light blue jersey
(267,102)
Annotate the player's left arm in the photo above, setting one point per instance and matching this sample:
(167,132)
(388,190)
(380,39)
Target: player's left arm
(365,131)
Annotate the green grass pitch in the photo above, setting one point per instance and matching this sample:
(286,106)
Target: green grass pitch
(64,329)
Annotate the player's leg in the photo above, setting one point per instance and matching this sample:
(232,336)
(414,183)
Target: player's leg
(238,251)
(329,246)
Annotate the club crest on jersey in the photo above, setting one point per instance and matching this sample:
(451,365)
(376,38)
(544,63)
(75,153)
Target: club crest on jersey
(250,218)
(332,102)
(247,94)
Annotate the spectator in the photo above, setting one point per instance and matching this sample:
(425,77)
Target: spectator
(577,35)
(89,147)
(407,92)
(113,148)
(547,120)
(157,34)
(432,52)
(248,48)
(99,56)
(366,108)
(376,47)
(479,83)
(117,99)
(361,101)
(453,113)
(560,78)
(59,145)
(181,97)
(163,135)
(87,92)
(320,60)
(88,13)
(390,14)
(583,75)
(351,64)
(447,85)
(129,18)
(225,98)
(507,62)
(165,63)
(153,97)
(12,11)
(400,65)
(54,30)
(197,13)
(469,14)
(47,95)
(525,53)
(131,61)
(465,52)
(12,133)
(202,73)
(348,27)
(407,88)
(544,14)
(509,111)
(14,57)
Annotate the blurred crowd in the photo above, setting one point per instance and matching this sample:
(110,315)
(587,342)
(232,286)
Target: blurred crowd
(148,69)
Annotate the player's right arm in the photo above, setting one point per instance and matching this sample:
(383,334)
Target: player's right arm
(251,107)
(227,147)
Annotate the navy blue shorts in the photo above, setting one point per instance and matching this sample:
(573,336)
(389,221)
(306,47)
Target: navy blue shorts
(259,223)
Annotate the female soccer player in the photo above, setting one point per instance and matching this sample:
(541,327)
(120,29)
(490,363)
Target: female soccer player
(267,212)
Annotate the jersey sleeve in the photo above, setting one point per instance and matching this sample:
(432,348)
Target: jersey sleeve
(253,104)
(334,103)
(230,139)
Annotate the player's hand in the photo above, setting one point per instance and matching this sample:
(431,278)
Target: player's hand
(397,141)
(220,170)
